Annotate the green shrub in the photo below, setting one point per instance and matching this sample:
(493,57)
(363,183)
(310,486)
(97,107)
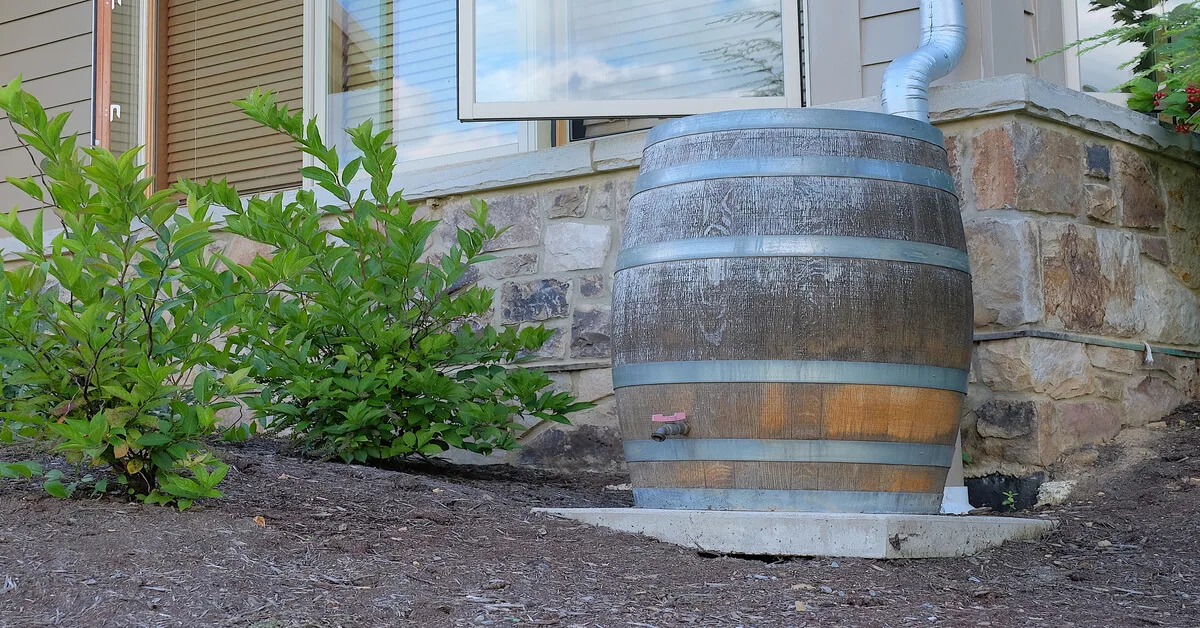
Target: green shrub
(366,346)
(106,336)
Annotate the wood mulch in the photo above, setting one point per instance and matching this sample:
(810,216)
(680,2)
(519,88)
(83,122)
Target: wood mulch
(302,543)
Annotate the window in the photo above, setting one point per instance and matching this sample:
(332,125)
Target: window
(124,109)
(168,72)
(542,59)
(211,54)
(393,61)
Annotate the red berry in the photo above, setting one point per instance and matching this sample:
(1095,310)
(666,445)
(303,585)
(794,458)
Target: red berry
(1159,95)
(1183,128)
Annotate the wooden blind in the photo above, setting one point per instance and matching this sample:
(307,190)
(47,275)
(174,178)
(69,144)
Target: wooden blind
(216,51)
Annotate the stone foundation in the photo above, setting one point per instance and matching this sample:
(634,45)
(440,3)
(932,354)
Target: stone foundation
(1077,225)
(1094,240)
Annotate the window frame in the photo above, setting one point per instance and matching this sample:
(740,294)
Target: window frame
(469,110)
(102,54)
(531,135)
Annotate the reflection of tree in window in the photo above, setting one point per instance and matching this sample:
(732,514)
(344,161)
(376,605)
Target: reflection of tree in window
(1132,13)
(1099,69)
(757,57)
(363,73)
(393,61)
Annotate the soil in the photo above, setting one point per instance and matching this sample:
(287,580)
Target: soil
(438,545)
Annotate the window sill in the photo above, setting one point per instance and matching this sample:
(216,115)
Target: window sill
(603,154)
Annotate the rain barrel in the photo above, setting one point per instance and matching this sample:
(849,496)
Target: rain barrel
(792,287)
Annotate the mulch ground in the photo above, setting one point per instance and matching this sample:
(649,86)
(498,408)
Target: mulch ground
(452,546)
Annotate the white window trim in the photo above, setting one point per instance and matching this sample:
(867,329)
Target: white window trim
(469,109)
(316,69)
(144,104)
(1071,33)
(805,57)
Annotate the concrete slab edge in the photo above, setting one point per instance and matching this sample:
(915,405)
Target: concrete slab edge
(814,534)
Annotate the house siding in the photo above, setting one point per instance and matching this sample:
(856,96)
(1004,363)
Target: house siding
(49,43)
(858,39)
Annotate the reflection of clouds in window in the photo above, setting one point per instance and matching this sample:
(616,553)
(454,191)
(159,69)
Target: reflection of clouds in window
(578,75)
(570,50)
(394,61)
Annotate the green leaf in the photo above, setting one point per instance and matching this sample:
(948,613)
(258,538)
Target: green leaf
(431,449)
(56,489)
(351,169)
(28,186)
(20,469)
(202,386)
(319,175)
(154,439)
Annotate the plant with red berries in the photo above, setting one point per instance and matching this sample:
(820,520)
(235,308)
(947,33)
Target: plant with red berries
(1168,80)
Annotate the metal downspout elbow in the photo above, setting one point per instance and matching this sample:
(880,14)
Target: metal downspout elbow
(943,39)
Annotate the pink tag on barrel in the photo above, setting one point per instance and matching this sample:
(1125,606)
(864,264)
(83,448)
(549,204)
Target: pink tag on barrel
(668,418)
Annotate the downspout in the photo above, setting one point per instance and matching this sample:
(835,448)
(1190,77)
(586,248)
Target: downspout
(906,94)
(943,39)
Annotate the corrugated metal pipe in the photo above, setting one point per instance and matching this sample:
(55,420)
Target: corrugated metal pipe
(943,39)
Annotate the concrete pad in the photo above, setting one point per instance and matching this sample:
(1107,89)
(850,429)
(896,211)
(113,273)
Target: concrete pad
(814,534)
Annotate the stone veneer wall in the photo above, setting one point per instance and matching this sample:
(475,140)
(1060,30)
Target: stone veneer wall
(554,267)
(1073,232)
(1072,227)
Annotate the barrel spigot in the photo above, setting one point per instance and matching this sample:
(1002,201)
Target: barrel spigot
(670,425)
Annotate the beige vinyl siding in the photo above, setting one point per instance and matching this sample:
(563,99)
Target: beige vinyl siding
(217,52)
(1044,33)
(858,38)
(49,43)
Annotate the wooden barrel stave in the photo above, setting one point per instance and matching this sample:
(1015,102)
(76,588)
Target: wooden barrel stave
(802,295)
(787,476)
(783,206)
(792,309)
(765,143)
(796,411)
